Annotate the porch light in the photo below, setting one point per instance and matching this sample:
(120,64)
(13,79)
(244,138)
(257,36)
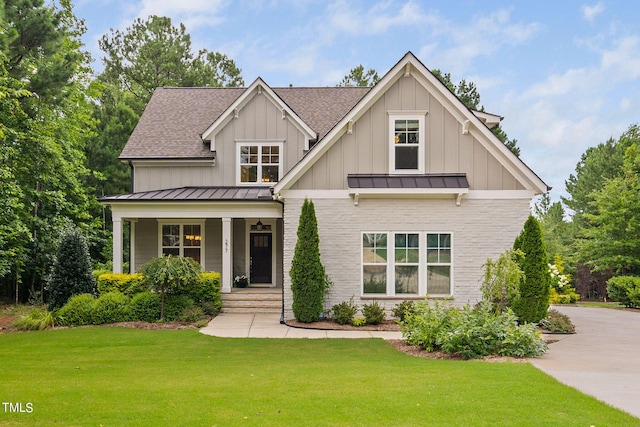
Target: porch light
(259,225)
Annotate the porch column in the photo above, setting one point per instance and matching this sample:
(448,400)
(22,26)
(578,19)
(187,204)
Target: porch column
(117,245)
(227,250)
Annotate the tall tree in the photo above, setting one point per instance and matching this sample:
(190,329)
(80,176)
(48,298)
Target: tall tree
(359,77)
(557,233)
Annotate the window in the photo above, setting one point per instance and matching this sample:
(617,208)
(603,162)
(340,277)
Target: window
(406,263)
(406,153)
(182,240)
(259,163)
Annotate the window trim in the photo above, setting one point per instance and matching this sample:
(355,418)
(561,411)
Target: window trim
(182,223)
(259,144)
(422,266)
(421,117)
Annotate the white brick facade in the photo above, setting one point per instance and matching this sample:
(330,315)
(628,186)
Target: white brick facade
(480,228)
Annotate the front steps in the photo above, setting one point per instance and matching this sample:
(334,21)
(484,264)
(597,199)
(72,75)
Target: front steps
(253,300)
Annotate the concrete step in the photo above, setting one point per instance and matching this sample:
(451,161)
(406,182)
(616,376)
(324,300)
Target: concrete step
(252,301)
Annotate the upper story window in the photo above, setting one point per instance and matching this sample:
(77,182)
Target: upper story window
(259,163)
(407,142)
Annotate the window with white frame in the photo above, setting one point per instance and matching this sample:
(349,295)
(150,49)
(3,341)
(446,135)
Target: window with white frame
(259,163)
(407,141)
(406,263)
(182,240)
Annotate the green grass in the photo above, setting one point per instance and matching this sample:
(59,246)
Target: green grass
(116,376)
(600,304)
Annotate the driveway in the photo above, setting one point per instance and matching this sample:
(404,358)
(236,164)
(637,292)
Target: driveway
(602,359)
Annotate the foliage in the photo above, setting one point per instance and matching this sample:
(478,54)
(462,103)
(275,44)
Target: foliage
(471,333)
(358,77)
(145,307)
(502,280)
(359,321)
(206,289)
(191,314)
(625,290)
(307,272)
(344,312)
(557,323)
(176,305)
(401,310)
(373,313)
(533,303)
(77,311)
(72,273)
(128,284)
(561,290)
(37,319)
(169,274)
(558,234)
(111,307)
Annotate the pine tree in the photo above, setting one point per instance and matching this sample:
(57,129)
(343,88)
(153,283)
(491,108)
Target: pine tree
(534,290)
(72,273)
(307,272)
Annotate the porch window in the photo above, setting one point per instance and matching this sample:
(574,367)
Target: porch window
(259,164)
(407,143)
(182,240)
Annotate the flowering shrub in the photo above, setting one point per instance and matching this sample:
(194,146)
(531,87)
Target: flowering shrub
(561,290)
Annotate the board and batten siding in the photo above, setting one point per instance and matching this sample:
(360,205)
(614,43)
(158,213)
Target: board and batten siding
(259,120)
(448,150)
(480,229)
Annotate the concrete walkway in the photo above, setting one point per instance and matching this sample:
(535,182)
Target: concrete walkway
(268,326)
(602,359)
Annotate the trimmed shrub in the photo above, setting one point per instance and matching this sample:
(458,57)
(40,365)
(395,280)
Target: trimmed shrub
(191,314)
(77,311)
(557,323)
(71,273)
(175,305)
(145,307)
(37,319)
(307,273)
(344,312)
(205,289)
(403,309)
(128,284)
(373,313)
(112,307)
(625,290)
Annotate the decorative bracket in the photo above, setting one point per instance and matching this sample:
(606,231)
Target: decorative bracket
(465,127)
(459,199)
(356,199)
(350,127)
(235,113)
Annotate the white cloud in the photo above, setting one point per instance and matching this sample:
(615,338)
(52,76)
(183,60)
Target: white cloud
(192,13)
(589,13)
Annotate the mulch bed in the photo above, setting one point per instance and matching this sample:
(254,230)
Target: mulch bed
(330,325)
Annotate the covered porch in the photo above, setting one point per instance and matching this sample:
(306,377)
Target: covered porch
(235,231)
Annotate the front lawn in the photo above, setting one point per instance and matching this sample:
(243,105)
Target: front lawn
(117,376)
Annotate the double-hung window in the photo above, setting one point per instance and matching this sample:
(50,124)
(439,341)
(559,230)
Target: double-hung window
(182,240)
(406,143)
(259,163)
(406,264)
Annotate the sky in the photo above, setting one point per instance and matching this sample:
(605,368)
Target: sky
(565,75)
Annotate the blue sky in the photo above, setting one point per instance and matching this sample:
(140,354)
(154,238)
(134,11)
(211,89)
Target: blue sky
(564,74)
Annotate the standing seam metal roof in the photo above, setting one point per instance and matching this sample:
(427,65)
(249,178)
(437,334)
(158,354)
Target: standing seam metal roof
(196,194)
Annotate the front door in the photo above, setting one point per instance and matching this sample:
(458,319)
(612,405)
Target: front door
(261,257)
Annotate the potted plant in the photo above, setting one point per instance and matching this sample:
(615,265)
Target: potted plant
(241,281)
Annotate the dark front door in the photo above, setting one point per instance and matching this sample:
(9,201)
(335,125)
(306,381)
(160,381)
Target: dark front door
(260,252)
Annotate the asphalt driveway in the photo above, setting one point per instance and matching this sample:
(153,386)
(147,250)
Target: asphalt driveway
(602,359)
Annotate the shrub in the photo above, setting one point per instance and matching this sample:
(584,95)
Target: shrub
(77,311)
(71,273)
(359,321)
(401,310)
(211,308)
(557,322)
(307,273)
(37,319)
(344,312)
(145,307)
(502,280)
(191,314)
(128,284)
(625,290)
(175,305)
(373,313)
(205,289)
(471,333)
(112,307)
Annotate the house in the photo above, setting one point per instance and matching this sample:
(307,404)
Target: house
(412,191)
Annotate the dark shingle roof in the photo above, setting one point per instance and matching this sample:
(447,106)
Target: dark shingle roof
(195,194)
(408,181)
(174,118)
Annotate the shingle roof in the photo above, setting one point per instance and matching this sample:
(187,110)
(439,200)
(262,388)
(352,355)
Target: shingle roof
(174,118)
(408,181)
(195,194)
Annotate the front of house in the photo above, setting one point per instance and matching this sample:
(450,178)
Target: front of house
(412,191)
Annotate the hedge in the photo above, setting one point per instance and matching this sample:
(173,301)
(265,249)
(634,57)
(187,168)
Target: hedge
(128,284)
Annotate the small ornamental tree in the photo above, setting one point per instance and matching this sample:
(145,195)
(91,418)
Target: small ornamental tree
(307,273)
(502,280)
(533,303)
(169,274)
(71,273)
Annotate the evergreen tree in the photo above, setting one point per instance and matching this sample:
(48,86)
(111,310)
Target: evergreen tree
(307,272)
(72,273)
(534,290)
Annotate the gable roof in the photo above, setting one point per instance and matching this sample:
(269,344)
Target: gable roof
(175,118)
(409,65)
